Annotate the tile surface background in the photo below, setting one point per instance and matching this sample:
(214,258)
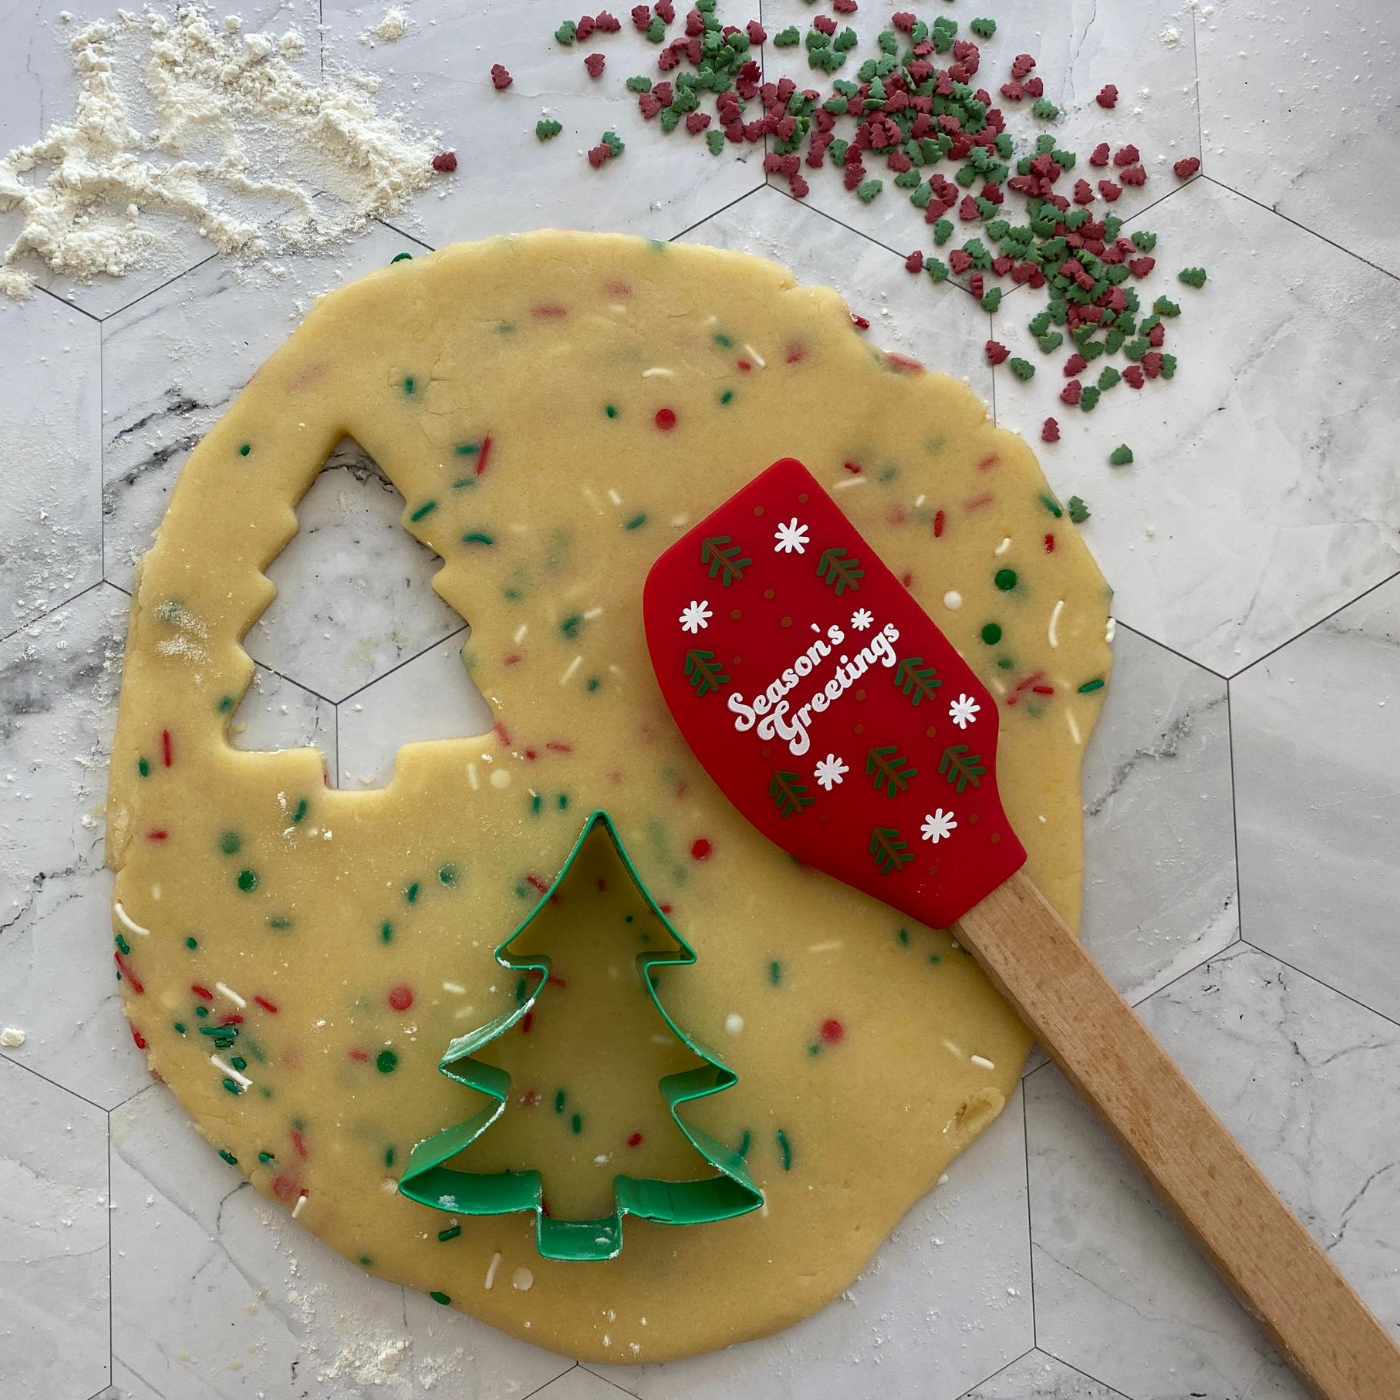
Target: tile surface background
(1240,793)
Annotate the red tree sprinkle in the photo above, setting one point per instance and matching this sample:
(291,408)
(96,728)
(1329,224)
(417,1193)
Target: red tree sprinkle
(445,162)
(996,352)
(594,63)
(914,262)
(1108,96)
(500,77)
(1050,431)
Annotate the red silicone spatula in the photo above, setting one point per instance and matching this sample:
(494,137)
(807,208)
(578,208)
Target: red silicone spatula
(838,719)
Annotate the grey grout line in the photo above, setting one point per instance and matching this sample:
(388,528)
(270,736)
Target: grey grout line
(607,1380)
(738,199)
(1030,1217)
(169,282)
(1234,808)
(71,305)
(412,238)
(539,1388)
(999,1371)
(397,666)
(29,1069)
(44,616)
(1196,67)
(1167,647)
(1312,626)
(302,685)
(1313,977)
(1312,232)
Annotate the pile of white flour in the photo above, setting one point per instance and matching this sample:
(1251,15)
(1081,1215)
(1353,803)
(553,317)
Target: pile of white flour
(184,122)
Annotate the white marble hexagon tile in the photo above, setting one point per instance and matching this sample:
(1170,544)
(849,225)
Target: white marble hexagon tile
(1240,794)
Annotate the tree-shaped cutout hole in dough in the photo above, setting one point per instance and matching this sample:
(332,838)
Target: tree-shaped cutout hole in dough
(354,588)
(356,625)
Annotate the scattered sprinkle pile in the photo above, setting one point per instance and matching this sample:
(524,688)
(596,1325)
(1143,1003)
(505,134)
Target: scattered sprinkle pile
(911,115)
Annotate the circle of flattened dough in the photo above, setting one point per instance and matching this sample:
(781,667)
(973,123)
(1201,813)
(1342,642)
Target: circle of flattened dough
(568,352)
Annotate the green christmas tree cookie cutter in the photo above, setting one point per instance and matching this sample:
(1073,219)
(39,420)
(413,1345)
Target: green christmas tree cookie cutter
(428,1179)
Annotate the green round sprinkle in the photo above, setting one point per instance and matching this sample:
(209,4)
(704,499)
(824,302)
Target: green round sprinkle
(785,1149)
(576,1122)
(388,1156)
(225,704)
(179,1027)
(231,1086)
(386,1062)
(439,1297)
(245,449)
(191,942)
(411,893)
(143,767)
(247,880)
(230,842)
(228,1156)
(1005,580)
(386,932)
(636,521)
(238,1062)
(559,1101)
(991,634)
(775,972)
(409,385)
(266,1157)
(727,396)
(1090,686)
(365,1261)
(201,1011)
(1121,456)
(400,257)
(610,410)
(278,921)
(122,944)
(447,875)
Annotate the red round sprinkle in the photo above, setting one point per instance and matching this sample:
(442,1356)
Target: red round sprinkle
(445,162)
(138,1038)
(500,77)
(665,419)
(167,754)
(284,1187)
(832,1030)
(1050,431)
(635,1140)
(700,848)
(401,997)
(859,322)
(1049,544)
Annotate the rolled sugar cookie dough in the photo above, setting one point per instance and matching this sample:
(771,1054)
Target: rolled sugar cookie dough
(556,409)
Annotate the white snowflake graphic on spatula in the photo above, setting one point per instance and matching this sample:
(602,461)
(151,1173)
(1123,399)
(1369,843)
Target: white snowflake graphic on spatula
(963,711)
(829,771)
(791,538)
(937,825)
(695,616)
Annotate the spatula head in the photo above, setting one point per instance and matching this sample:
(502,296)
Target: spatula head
(826,704)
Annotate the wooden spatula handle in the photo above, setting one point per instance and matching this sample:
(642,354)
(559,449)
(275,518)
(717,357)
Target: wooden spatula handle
(1257,1245)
